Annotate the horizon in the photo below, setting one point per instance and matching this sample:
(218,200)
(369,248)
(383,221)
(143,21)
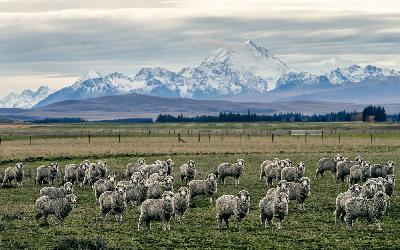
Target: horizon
(54,43)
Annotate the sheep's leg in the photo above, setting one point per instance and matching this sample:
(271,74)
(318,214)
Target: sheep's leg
(379,225)
(223,181)
(210,199)
(168,225)
(165,225)
(46,219)
(238,224)
(279,225)
(219,222)
(227,222)
(238,181)
(262,220)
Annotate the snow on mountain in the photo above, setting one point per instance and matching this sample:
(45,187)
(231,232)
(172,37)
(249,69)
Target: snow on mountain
(25,99)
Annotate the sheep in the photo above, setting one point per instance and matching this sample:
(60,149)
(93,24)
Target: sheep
(272,172)
(74,172)
(55,193)
(378,170)
(59,207)
(372,209)
(299,191)
(92,174)
(273,205)
(359,172)
(156,188)
(170,166)
(102,168)
(160,176)
(390,184)
(103,185)
(368,190)
(136,193)
(281,187)
(343,167)
(113,203)
(141,175)
(46,172)
(353,191)
(12,173)
(264,164)
(235,170)
(327,164)
(237,205)
(293,173)
(206,187)
(134,167)
(188,172)
(162,209)
(155,167)
(181,202)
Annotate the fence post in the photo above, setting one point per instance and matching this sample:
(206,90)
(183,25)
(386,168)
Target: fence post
(119,137)
(322,136)
(339,137)
(209,137)
(371,138)
(305,137)
(89,138)
(0,141)
(273,137)
(179,137)
(198,135)
(248,136)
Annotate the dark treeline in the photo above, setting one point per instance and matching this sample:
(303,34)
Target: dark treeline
(374,113)
(341,116)
(128,120)
(60,120)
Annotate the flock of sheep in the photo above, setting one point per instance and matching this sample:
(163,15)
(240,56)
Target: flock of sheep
(151,187)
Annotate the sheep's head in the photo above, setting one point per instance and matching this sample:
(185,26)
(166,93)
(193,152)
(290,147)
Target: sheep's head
(301,168)
(211,177)
(183,191)
(71,199)
(191,164)
(276,160)
(169,181)
(305,182)
(168,197)
(68,187)
(120,190)
(111,178)
(143,171)
(338,158)
(92,166)
(144,183)
(243,196)
(371,185)
(141,161)
(355,190)
(366,169)
(135,177)
(390,179)
(283,185)
(162,172)
(288,162)
(170,162)
(19,166)
(346,159)
(240,162)
(359,159)
(282,197)
(53,167)
(390,166)
(84,165)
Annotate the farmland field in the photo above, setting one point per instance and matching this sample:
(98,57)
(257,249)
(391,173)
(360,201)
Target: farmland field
(119,144)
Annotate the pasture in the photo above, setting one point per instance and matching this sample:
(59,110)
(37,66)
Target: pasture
(313,228)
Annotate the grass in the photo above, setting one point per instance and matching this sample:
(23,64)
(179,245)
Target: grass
(313,228)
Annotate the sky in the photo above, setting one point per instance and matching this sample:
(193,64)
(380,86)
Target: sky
(53,42)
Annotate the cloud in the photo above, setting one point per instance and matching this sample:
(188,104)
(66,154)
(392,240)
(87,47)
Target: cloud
(69,37)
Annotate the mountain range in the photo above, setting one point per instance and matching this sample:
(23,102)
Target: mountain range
(247,72)
(25,99)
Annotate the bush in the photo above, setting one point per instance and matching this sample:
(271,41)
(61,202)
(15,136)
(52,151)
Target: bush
(81,244)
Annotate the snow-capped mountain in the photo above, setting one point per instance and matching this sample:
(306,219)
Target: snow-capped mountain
(226,72)
(26,99)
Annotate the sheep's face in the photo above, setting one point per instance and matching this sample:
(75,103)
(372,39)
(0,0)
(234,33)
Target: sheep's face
(19,166)
(282,185)
(183,191)
(83,166)
(170,162)
(211,177)
(380,195)
(359,159)
(301,167)
(92,167)
(169,180)
(162,172)
(240,162)
(144,183)
(71,198)
(141,161)
(305,181)
(142,171)
(243,196)
(390,179)
(371,185)
(338,157)
(288,162)
(276,160)
(112,178)
(121,190)
(69,187)
(191,164)
(135,178)
(345,159)
(355,190)
(168,196)
(282,197)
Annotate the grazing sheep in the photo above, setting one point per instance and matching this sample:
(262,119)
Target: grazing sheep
(343,168)
(234,170)
(160,176)
(390,184)
(206,187)
(134,167)
(113,203)
(359,173)
(157,210)
(264,164)
(92,174)
(136,193)
(237,205)
(12,173)
(155,167)
(74,172)
(188,172)
(55,193)
(156,189)
(272,172)
(273,205)
(327,164)
(353,191)
(46,172)
(103,185)
(378,170)
(372,209)
(293,173)
(299,191)
(181,204)
(60,207)
(170,166)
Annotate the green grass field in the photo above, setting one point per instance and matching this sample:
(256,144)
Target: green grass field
(313,228)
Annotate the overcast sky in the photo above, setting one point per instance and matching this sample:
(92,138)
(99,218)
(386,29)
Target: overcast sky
(53,42)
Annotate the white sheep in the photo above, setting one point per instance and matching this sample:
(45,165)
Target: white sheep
(188,171)
(181,199)
(299,191)
(134,167)
(273,205)
(206,187)
(353,191)
(233,205)
(156,189)
(103,185)
(61,192)
(48,173)
(157,210)
(113,203)
(60,207)
(293,173)
(234,170)
(12,173)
